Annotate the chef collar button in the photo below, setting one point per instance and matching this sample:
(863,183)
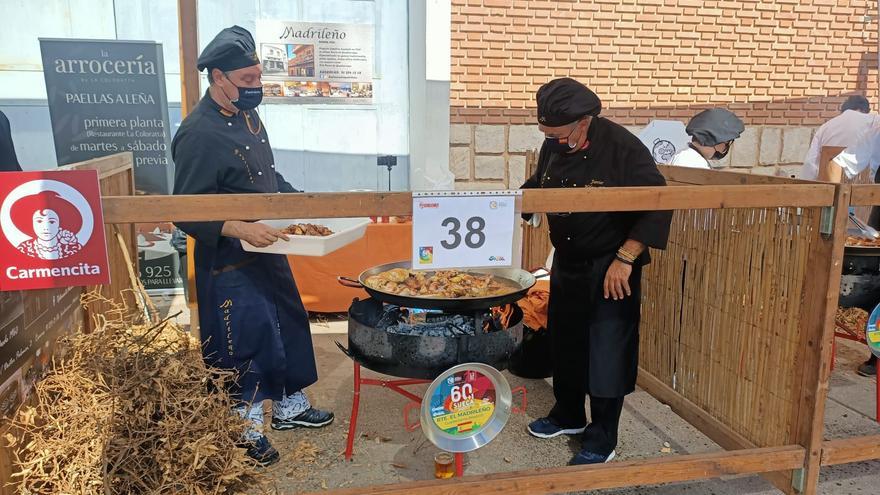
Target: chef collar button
(247,147)
(262,140)
(273,165)
(229,124)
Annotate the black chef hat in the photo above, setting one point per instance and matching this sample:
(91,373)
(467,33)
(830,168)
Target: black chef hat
(715,126)
(233,48)
(563,101)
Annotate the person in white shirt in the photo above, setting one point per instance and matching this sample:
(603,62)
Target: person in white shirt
(846,130)
(863,152)
(712,133)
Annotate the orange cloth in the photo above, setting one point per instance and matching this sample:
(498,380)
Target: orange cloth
(534,305)
(316,276)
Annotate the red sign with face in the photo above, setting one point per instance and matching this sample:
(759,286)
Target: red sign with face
(52,230)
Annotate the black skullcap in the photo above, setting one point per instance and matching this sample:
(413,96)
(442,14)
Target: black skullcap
(233,48)
(563,101)
(715,126)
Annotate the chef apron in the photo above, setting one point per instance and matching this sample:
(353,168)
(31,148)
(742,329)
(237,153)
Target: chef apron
(595,341)
(252,320)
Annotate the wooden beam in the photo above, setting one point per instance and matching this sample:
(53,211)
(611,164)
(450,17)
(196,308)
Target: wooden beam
(698,176)
(848,450)
(105,165)
(815,352)
(207,207)
(188,29)
(720,433)
(865,195)
(190,93)
(599,476)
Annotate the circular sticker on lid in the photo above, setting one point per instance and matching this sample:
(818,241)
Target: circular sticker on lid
(872,332)
(466,407)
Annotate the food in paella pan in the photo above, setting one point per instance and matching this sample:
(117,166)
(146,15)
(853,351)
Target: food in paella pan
(852,240)
(307,229)
(443,283)
(853,320)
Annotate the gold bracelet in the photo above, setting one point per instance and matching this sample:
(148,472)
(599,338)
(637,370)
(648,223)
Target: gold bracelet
(626,254)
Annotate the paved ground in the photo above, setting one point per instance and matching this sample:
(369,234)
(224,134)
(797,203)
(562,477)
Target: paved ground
(386,453)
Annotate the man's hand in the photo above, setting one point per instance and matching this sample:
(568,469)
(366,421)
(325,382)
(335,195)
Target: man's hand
(617,280)
(254,233)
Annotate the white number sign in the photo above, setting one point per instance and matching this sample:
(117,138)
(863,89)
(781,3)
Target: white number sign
(463,229)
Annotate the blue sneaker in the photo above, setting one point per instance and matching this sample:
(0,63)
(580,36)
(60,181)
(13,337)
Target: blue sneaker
(586,457)
(262,452)
(310,418)
(547,428)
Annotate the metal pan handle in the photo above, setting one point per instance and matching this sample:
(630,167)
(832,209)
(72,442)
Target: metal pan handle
(349,282)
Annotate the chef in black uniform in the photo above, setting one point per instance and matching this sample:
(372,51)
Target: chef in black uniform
(8,159)
(252,318)
(596,274)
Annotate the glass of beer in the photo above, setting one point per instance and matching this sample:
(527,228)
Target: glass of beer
(444,465)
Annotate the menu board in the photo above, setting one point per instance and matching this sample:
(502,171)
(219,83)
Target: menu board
(106,97)
(30,324)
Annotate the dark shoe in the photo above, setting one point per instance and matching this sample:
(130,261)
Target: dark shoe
(262,452)
(547,428)
(584,457)
(310,418)
(868,368)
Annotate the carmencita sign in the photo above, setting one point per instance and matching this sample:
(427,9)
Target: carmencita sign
(53,230)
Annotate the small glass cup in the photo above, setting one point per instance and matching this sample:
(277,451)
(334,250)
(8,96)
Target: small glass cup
(444,465)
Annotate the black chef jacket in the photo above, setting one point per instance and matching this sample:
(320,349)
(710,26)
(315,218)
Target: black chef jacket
(222,156)
(251,315)
(614,158)
(8,160)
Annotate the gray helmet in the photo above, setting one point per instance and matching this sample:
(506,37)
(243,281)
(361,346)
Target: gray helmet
(715,126)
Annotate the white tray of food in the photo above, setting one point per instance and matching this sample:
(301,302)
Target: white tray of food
(318,240)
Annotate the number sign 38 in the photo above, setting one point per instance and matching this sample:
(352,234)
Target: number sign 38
(463,230)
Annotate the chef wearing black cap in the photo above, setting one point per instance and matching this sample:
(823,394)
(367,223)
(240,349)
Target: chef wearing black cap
(596,274)
(252,319)
(712,134)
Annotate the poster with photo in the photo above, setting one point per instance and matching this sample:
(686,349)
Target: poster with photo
(306,62)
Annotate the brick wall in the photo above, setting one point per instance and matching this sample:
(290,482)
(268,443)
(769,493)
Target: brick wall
(784,66)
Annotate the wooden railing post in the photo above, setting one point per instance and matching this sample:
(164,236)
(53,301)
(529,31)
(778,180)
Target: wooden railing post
(819,306)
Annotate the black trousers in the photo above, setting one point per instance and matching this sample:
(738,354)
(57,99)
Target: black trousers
(595,348)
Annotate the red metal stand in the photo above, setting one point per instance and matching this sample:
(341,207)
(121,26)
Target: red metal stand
(396,386)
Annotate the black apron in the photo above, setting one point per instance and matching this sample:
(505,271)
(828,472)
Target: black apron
(252,320)
(251,316)
(595,340)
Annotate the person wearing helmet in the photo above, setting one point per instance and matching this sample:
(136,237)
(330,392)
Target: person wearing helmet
(712,133)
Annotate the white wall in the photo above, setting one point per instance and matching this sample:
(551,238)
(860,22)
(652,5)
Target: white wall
(329,140)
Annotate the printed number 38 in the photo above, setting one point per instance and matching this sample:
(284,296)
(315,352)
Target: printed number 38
(475,237)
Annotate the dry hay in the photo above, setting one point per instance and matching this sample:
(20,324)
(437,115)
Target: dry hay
(129,409)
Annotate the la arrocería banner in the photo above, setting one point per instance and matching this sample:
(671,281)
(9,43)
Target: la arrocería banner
(53,230)
(106,97)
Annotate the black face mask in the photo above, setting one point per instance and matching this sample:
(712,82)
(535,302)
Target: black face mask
(556,145)
(719,154)
(248,98)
